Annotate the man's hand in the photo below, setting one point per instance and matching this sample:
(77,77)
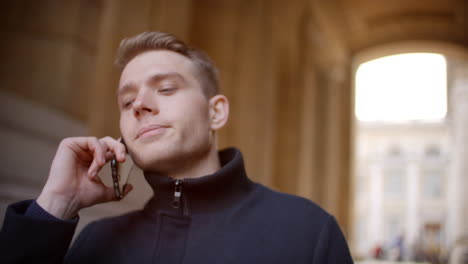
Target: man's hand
(73,181)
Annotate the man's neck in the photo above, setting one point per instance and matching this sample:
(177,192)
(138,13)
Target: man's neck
(205,165)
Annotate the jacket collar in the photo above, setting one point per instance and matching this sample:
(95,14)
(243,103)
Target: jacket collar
(216,191)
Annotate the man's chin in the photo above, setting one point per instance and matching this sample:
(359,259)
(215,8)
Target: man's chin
(154,162)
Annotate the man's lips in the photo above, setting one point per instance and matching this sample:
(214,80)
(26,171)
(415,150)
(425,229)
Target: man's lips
(150,129)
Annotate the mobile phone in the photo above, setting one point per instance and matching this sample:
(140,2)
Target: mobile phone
(120,173)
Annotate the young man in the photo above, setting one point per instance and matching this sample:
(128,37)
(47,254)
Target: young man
(205,208)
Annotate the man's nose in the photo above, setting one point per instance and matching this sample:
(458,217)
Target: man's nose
(145,103)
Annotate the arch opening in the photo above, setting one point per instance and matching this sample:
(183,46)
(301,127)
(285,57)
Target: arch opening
(402,153)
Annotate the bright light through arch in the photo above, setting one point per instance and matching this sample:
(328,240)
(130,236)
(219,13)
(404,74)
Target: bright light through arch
(401,88)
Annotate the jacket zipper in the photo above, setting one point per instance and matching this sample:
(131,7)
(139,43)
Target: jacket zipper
(178,197)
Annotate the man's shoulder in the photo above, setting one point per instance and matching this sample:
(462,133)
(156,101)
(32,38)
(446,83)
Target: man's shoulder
(308,227)
(294,219)
(290,205)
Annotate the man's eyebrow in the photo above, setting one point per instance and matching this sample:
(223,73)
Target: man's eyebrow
(153,79)
(169,75)
(124,89)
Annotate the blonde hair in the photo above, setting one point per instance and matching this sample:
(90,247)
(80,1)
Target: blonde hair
(131,47)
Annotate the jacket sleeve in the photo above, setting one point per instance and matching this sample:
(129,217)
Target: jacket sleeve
(332,246)
(34,239)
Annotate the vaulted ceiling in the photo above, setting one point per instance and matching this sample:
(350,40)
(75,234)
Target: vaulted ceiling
(364,23)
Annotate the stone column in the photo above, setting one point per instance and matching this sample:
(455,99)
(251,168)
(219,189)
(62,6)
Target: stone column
(458,195)
(412,221)
(103,111)
(376,213)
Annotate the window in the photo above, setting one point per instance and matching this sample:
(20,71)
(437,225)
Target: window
(394,184)
(432,184)
(433,151)
(394,152)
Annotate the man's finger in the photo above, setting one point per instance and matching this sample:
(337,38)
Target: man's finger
(99,153)
(115,147)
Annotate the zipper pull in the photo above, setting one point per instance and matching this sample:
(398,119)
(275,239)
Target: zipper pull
(177,193)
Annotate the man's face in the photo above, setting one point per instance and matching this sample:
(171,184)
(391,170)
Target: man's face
(164,115)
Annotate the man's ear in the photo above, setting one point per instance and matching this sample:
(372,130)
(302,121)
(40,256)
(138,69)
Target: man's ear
(219,111)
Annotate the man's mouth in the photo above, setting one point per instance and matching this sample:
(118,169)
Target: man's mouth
(150,130)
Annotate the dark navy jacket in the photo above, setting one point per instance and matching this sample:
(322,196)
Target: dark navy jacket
(219,218)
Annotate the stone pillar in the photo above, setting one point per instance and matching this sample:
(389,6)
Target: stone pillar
(103,112)
(376,213)
(412,221)
(337,144)
(458,195)
(48,50)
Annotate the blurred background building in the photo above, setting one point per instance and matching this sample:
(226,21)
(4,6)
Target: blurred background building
(288,69)
(401,187)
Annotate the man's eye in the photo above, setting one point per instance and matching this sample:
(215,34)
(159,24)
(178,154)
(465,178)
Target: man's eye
(127,104)
(167,90)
